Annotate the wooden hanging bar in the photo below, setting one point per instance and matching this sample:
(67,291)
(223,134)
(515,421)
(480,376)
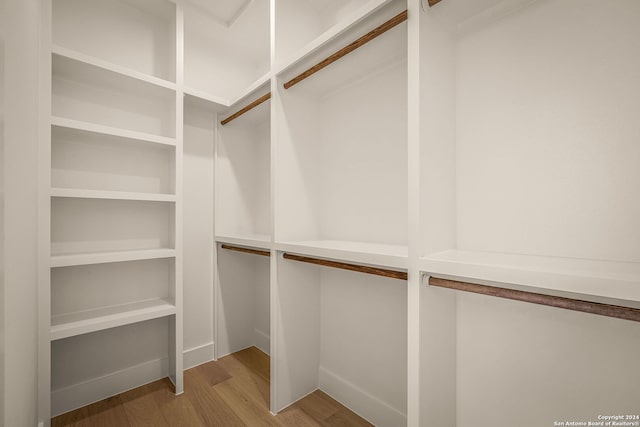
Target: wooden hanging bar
(347,266)
(245,250)
(398,19)
(601,309)
(254,104)
(433,2)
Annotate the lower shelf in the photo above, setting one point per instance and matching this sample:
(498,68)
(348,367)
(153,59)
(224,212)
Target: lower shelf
(262,241)
(84,322)
(377,254)
(599,281)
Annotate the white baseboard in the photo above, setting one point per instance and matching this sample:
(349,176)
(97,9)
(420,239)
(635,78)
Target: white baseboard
(87,392)
(359,401)
(82,394)
(262,341)
(198,355)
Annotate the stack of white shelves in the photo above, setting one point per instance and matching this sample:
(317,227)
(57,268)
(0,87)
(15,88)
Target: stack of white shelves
(116,151)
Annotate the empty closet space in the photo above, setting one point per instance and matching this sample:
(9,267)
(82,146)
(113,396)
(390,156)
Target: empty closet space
(341,146)
(345,333)
(226,48)
(198,225)
(80,225)
(98,365)
(93,161)
(243,300)
(243,171)
(92,95)
(528,146)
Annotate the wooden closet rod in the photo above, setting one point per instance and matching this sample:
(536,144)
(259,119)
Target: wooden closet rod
(254,104)
(346,266)
(398,19)
(246,250)
(542,299)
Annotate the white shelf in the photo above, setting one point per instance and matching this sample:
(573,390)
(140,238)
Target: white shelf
(224,103)
(261,241)
(253,87)
(84,322)
(67,260)
(361,252)
(594,280)
(209,97)
(329,35)
(111,195)
(96,62)
(108,130)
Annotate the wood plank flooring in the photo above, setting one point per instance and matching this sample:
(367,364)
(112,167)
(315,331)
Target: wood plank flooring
(234,391)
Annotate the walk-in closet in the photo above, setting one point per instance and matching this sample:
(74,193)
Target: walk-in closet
(320,212)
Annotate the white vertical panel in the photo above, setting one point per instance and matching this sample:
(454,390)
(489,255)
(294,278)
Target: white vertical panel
(199,145)
(413,213)
(23,185)
(437,214)
(2,248)
(176,322)
(296,327)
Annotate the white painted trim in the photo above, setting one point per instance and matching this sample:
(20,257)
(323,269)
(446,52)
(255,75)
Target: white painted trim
(87,392)
(78,395)
(198,355)
(360,401)
(262,340)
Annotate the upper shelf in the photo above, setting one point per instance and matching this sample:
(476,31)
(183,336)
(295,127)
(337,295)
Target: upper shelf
(86,92)
(304,27)
(262,241)
(589,278)
(376,42)
(97,62)
(134,34)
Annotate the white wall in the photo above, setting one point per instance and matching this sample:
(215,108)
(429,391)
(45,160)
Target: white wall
(21,134)
(2,29)
(537,365)
(363,344)
(547,141)
(198,234)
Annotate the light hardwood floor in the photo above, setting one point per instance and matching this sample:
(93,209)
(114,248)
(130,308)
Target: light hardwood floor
(234,391)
